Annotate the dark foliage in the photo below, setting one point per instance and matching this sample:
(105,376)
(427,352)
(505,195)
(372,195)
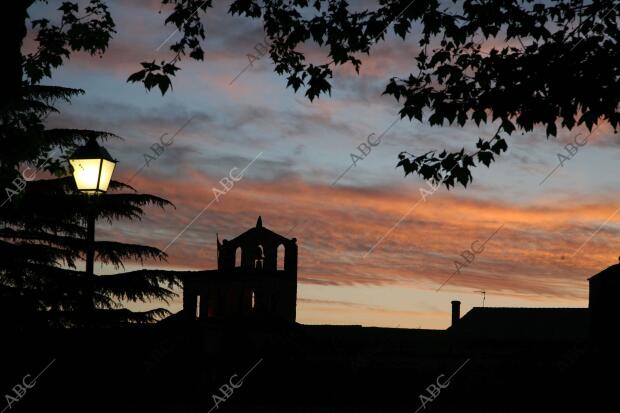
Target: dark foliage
(42,221)
(42,238)
(556,66)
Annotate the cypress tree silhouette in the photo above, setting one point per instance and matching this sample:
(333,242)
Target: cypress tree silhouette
(42,227)
(43,239)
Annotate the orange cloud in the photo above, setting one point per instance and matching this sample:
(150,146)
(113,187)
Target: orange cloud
(531,254)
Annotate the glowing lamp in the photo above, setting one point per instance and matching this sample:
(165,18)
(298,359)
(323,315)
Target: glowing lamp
(92,168)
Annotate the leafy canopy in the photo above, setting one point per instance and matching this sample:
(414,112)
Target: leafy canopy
(554,63)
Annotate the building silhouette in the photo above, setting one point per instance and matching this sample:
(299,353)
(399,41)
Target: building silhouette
(243,312)
(256,279)
(603,300)
(595,321)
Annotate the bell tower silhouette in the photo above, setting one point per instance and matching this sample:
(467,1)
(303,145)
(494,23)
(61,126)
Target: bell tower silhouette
(251,281)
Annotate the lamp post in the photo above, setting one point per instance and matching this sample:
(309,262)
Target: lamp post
(92,168)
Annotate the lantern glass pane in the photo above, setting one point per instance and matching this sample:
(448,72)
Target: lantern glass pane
(86,174)
(107,168)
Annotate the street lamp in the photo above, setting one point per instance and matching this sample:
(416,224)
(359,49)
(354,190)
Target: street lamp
(92,168)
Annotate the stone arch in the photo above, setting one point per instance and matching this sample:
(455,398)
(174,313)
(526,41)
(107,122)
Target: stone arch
(238,257)
(213,304)
(280,257)
(197,315)
(259,257)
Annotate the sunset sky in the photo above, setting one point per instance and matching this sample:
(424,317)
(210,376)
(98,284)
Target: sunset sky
(372,251)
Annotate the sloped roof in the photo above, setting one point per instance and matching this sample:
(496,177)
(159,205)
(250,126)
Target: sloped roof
(612,271)
(259,232)
(523,323)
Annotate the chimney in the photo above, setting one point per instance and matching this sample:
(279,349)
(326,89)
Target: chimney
(456,311)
